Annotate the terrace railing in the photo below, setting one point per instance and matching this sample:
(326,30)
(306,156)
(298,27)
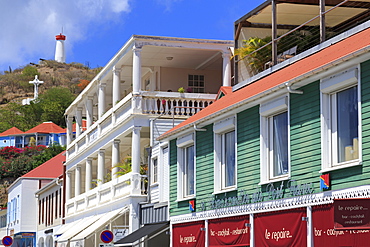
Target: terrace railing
(257,54)
(170,104)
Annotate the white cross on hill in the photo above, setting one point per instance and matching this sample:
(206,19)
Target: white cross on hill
(36,82)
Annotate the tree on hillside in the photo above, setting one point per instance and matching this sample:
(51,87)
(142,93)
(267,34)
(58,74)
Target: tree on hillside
(12,116)
(50,106)
(29,72)
(53,103)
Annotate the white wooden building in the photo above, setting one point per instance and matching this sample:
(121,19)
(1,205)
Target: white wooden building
(149,86)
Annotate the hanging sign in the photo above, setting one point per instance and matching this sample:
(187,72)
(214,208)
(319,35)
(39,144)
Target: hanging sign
(324,233)
(352,214)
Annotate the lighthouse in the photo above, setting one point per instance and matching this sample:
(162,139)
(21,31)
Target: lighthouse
(60,54)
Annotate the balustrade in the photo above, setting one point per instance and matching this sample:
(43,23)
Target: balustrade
(171,104)
(106,192)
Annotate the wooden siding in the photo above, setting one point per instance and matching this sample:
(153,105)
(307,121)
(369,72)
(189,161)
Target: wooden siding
(162,125)
(365,111)
(173,178)
(248,149)
(305,137)
(305,147)
(204,163)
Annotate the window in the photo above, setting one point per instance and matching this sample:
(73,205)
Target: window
(228,159)
(275,140)
(278,134)
(188,171)
(154,171)
(186,167)
(196,83)
(340,121)
(225,163)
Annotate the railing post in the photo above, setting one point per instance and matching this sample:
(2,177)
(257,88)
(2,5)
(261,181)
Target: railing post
(274,32)
(322,21)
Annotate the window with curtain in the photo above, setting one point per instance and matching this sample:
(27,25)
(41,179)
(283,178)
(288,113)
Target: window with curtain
(274,129)
(340,129)
(347,124)
(279,144)
(228,159)
(188,171)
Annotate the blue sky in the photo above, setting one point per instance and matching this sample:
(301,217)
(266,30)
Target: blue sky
(96,29)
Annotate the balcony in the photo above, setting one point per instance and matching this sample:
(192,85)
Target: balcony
(105,193)
(151,104)
(278,33)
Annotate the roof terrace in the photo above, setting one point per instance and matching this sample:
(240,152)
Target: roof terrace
(278,32)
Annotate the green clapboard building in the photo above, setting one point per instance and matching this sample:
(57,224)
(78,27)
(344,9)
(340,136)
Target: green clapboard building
(282,158)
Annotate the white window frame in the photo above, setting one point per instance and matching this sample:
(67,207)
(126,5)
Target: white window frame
(182,144)
(329,87)
(221,128)
(267,111)
(154,172)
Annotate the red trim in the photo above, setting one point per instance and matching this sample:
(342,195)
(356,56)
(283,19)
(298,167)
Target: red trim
(60,37)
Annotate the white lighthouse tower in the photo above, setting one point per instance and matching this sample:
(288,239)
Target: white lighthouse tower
(60,54)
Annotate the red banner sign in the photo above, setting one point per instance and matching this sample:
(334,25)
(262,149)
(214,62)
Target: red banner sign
(189,234)
(281,228)
(232,231)
(350,214)
(325,234)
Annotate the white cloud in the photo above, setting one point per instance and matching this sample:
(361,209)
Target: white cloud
(28,27)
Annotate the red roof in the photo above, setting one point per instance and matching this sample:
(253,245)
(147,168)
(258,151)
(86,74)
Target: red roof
(324,57)
(52,168)
(12,131)
(223,91)
(46,127)
(83,126)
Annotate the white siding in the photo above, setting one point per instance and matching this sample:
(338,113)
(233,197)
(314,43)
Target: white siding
(161,126)
(166,176)
(154,193)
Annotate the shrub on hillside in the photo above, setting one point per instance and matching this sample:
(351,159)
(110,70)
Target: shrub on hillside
(15,162)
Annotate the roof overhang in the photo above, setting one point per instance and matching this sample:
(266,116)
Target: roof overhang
(165,52)
(292,13)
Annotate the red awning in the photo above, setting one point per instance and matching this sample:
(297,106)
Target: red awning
(281,228)
(325,235)
(189,234)
(231,231)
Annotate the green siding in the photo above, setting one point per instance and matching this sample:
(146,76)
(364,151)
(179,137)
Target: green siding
(204,163)
(173,177)
(305,137)
(248,149)
(305,148)
(203,166)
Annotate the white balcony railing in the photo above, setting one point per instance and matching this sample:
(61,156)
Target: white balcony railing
(176,105)
(104,193)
